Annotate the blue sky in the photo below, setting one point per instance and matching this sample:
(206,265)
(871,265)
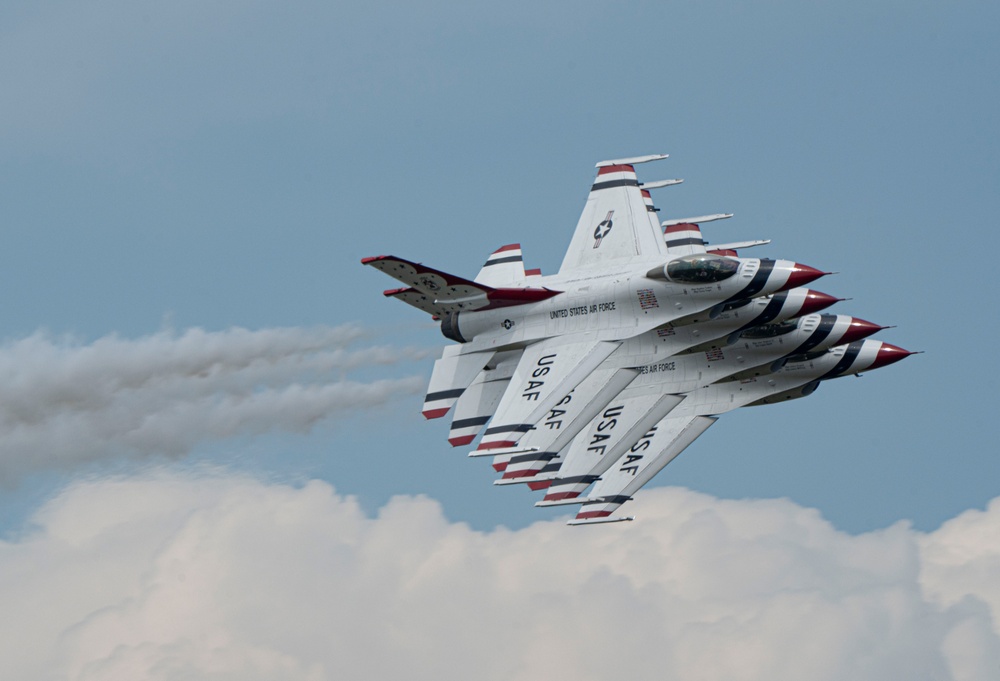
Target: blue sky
(166,167)
(229,167)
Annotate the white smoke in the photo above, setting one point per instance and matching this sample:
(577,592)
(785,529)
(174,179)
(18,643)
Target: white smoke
(63,403)
(212,577)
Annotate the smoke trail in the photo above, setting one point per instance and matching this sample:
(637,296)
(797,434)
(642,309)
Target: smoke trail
(63,403)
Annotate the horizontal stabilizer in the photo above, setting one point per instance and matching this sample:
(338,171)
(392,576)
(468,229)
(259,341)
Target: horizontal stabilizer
(449,292)
(421,301)
(596,521)
(632,161)
(696,221)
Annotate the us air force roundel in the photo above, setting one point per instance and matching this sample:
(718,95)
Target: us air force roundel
(603,229)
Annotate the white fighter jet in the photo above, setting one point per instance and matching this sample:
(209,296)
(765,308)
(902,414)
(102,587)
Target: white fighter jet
(641,319)
(616,479)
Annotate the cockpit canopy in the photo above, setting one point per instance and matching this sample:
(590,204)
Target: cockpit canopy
(701,268)
(771,330)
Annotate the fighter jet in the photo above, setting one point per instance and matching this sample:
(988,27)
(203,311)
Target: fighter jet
(638,407)
(615,479)
(641,320)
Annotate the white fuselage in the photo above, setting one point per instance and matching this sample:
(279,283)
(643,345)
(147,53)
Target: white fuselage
(612,305)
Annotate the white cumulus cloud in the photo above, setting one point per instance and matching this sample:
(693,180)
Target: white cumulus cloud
(64,403)
(179,576)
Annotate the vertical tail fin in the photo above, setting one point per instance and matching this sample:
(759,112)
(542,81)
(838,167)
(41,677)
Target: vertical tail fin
(684,239)
(504,268)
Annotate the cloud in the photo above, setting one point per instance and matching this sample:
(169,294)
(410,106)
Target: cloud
(175,576)
(63,404)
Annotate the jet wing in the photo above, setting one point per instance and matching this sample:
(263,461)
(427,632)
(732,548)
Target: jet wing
(664,442)
(614,228)
(608,437)
(561,424)
(546,372)
(639,465)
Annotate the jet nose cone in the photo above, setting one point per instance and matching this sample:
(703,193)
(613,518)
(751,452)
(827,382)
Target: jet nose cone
(802,275)
(887,354)
(816,301)
(859,329)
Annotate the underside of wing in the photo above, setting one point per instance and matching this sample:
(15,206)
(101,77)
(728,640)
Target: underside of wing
(640,464)
(615,228)
(421,301)
(546,372)
(563,422)
(449,293)
(622,425)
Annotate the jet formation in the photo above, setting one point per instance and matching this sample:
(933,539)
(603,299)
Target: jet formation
(586,383)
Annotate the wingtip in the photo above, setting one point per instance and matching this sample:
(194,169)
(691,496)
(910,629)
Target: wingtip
(631,160)
(601,520)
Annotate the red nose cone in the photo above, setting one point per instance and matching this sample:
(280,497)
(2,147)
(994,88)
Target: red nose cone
(802,275)
(859,329)
(816,301)
(888,354)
